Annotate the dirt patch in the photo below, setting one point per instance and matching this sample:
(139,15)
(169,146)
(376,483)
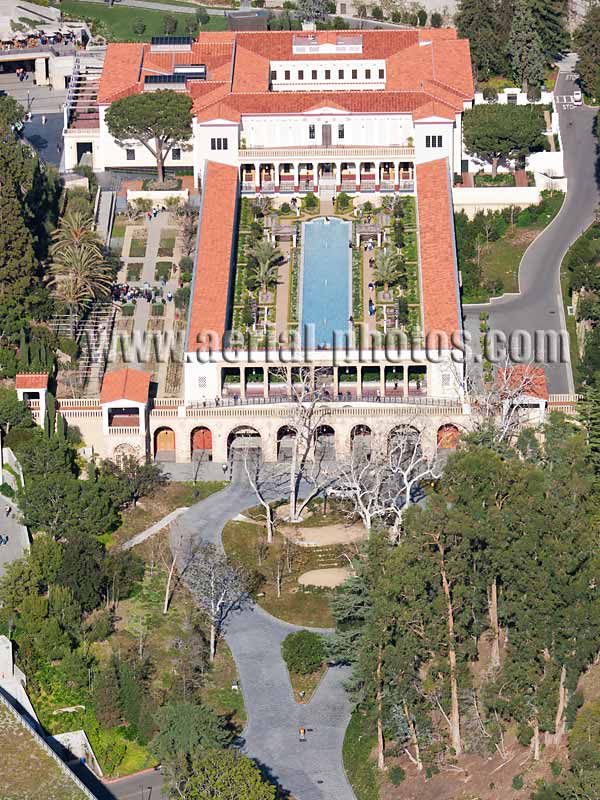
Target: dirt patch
(328,578)
(326,535)
(484,778)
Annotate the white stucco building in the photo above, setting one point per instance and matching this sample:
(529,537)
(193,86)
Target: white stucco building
(295,112)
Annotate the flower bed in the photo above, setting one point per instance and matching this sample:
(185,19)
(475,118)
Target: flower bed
(134,270)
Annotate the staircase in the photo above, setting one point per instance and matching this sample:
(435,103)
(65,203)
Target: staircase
(95,340)
(104,216)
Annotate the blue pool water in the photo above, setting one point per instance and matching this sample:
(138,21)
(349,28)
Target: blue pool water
(325,279)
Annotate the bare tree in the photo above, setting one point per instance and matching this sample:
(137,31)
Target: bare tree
(218,587)
(254,470)
(176,541)
(308,466)
(503,406)
(382,482)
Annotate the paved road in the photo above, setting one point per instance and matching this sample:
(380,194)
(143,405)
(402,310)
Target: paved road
(539,307)
(172,7)
(18,539)
(312,770)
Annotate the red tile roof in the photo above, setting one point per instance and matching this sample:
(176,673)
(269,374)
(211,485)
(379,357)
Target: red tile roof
(125,384)
(31,380)
(212,271)
(428,71)
(524,379)
(438,270)
(235,105)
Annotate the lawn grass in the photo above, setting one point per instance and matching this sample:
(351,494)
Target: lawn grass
(119,227)
(306,683)
(501,259)
(360,769)
(217,692)
(308,608)
(116,22)
(159,504)
(167,243)
(134,270)
(137,248)
(162,270)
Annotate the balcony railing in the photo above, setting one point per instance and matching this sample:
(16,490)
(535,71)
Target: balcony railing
(249,186)
(330,153)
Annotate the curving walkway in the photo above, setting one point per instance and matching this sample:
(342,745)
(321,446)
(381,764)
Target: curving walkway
(311,770)
(538,306)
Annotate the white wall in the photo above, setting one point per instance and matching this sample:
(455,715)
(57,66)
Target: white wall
(522,99)
(309,84)
(494,198)
(204,132)
(441,128)
(111,154)
(359,129)
(201,381)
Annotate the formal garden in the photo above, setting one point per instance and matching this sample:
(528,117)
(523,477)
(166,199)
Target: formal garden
(384,267)
(155,245)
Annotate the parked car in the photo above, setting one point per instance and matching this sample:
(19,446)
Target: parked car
(577,97)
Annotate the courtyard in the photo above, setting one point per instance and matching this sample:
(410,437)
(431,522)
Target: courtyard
(320,272)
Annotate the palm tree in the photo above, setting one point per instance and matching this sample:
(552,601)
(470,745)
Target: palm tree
(263,265)
(79,275)
(389,268)
(75,230)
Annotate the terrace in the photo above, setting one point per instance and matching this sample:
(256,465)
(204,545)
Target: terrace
(313,171)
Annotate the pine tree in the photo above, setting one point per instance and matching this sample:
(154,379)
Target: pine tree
(20,285)
(550,19)
(525,47)
(106,694)
(479,21)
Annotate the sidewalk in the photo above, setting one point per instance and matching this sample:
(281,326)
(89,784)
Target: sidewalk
(18,538)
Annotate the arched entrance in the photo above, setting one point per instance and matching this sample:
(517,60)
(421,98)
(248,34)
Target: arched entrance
(201,444)
(286,436)
(241,439)
(164,444)
(325,442)
(360,441)
(447,437)
(404,442)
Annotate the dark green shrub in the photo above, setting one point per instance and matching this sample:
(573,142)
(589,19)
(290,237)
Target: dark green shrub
(157,310)
(396,775)
(68,346)
(186,277)
(556,768)
(303,652)
(162,270)
(343,202)
(525,218)
(182,298)
(310,202)
(285,208)
(7,490)
(490,95)
(436,20)
(202,16)
(422,17)
(524,734)
(377,12)
(517,782)
(186,263)
(128,310)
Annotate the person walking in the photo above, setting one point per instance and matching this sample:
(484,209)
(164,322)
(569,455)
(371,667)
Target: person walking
(7,510)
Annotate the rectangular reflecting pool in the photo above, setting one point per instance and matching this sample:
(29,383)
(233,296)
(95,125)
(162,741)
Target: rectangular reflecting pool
(326,278)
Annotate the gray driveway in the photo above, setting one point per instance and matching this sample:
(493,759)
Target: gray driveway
(310,770)
(538,306)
